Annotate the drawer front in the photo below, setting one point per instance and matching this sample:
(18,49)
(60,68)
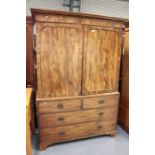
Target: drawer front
(71,132)
(58,19)
(66,118)
(58,106)
(101,101)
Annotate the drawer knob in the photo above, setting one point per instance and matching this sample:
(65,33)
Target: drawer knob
(100,113)
(60,106)
(46,17)
(101,101)
(61,133)
(61,118)
(99,127)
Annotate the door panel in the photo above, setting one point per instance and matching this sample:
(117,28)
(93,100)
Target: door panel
(101,60)
(59,60)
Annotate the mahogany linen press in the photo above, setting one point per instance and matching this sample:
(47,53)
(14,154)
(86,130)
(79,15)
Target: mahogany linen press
(77,74)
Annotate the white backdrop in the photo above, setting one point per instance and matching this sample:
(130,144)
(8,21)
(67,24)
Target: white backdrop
(114,8)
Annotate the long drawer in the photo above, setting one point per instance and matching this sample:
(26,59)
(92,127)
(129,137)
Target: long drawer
(71,132)
(58,106)
(65,118)
(101,101)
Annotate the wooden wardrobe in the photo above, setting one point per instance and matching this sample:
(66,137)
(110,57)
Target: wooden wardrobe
(77,65)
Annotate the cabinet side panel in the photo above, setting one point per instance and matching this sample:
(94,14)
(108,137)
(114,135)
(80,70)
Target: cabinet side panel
(124,96)
(29,54)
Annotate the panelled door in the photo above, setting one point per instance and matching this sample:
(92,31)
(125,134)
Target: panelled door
(101,59)
(59,59)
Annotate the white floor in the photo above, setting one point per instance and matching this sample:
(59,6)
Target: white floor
(103,145)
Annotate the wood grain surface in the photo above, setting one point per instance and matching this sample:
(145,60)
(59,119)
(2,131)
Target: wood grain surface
(67,118)
(70,132)
(101,60)
(78,103)
(78,62)
(101,101)
(59,60)
(124,96)
(28,121)
(29,53)
(59,106)
(58,19)
(76,97)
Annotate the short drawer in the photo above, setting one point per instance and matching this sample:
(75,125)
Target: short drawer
(72,132)
(101,101)
(58,106)
(66,118)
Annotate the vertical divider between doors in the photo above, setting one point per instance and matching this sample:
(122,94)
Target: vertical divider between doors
(82,59)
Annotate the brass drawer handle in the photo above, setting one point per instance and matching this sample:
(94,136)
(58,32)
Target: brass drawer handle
(101,101)
(61,133)
(100,113)
(99,127)
(61,118)
(60,106)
